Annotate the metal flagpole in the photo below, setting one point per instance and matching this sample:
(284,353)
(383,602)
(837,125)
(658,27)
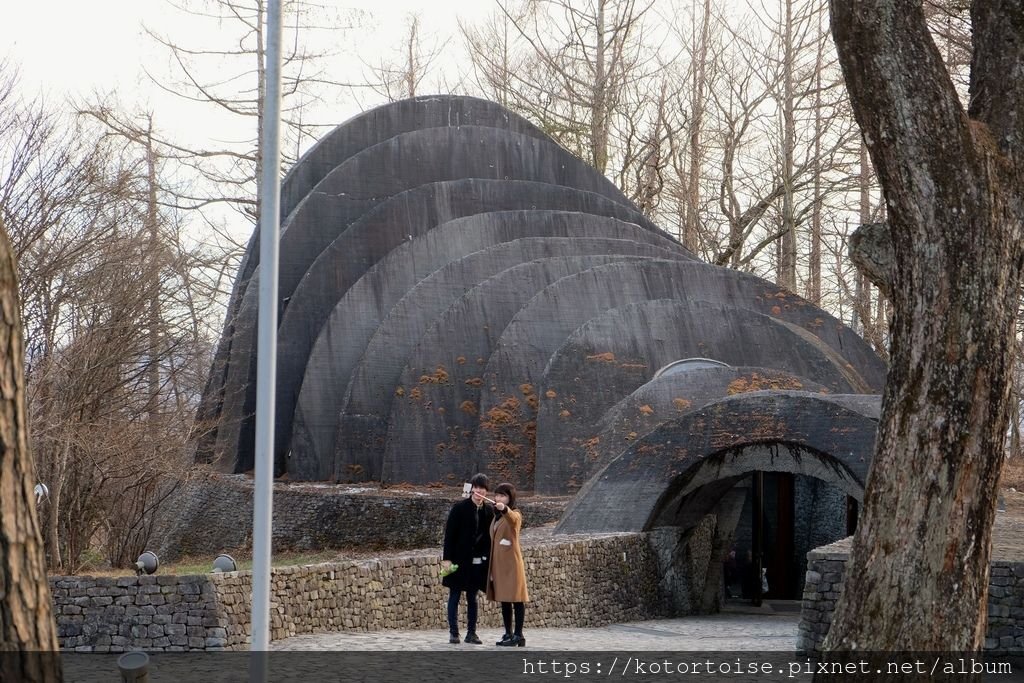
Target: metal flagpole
(266,367)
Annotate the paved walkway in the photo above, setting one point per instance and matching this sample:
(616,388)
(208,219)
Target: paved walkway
(770,628)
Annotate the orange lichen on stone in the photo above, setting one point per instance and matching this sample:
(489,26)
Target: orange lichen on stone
(756,382)
(481,361)
(606,357)
(415,394)
(532,401)
(441,410)
(564,414)
(440,376)
(474,382)
(468,407)
(646,409)
(631,436)
(550,393)
(776,310)
(354,469)
(681,403)
(461,360)
(400,391)
(526,389)
(505,448)
(497,416)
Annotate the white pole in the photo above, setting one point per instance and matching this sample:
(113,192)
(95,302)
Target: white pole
(266,367)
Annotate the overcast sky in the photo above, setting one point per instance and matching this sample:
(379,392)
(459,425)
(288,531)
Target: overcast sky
(72,46)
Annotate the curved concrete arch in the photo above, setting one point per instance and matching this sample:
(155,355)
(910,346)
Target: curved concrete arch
(380,123)
(342,339)
(828,437)
(415,158)
(388,226)
(349,138)
(613,354)
(553,314)
(362,425)
(426,443)
(670,396)
(360,184)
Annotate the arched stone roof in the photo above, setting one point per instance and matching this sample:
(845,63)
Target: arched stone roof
(613,354)
(829,437)
(665,398)
(314,390)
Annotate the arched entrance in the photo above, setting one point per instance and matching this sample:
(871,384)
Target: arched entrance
(688,481)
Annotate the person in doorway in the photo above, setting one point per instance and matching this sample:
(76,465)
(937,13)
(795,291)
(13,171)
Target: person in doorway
(507,578)
(729,571)
(467,544)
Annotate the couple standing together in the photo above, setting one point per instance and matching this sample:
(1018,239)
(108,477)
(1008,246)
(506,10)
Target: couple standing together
(483,540)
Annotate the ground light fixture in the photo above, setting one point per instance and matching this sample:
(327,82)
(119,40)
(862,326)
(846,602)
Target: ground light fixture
(224,563)
(147,563)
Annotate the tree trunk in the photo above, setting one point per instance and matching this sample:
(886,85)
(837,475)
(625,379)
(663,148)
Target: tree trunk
(698,98)
(28,633)
(599,107)
(917,578)
(786,270)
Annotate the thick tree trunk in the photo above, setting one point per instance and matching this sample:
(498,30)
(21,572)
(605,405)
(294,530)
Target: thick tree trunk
(918,574)
(28,634)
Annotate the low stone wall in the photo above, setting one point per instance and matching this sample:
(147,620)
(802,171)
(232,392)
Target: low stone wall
(212,513)
(827,565)
(172,613)
(573,581)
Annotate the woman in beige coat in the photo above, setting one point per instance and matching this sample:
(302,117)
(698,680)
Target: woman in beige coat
(507,581)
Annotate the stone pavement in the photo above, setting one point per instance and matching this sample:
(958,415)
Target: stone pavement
(773,627)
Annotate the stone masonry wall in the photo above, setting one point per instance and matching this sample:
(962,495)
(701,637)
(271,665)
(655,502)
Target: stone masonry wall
(573,581)
(149,612)
(825,569)
(212,514)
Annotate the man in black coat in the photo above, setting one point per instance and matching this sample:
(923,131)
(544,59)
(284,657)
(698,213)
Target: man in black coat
(467,543)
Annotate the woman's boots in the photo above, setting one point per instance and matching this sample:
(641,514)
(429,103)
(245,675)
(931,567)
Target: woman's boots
(510,640)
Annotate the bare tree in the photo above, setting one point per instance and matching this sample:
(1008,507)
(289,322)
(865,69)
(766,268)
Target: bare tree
(227,79)
(955,211)
(406,75)
(116,309)
(576,70)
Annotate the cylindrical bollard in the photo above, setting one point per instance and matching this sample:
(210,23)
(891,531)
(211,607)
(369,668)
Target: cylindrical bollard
(134,667)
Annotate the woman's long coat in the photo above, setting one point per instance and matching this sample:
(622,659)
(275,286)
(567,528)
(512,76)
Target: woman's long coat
(507,581)
(466,535)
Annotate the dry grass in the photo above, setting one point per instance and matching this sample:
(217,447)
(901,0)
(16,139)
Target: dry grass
(1013,474)
(203,565)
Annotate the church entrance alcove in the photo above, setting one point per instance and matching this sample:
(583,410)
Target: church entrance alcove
(797,513)
(766,515)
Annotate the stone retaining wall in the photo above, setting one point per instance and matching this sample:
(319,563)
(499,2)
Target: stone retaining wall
(827,565)
(573,581)
(311,516)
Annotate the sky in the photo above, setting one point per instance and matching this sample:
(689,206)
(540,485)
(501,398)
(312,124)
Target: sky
(70,47)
